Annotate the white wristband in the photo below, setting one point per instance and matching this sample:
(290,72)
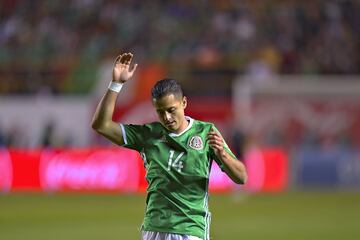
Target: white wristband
(114,86)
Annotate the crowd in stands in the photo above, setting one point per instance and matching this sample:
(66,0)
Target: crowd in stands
(56,46)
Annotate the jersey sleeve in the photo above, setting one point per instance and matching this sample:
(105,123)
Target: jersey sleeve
(133,136)
(227,149)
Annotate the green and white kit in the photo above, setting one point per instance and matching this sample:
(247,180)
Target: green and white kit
(177,171)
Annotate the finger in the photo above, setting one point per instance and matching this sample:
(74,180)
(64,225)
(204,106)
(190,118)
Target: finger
(217,137)
(212,143)
(130,56)
(213,136)
(127,58)
(216,146)
(124,58)
(213,132)
(216,142)
(117,60)
(134,68)
(209,138)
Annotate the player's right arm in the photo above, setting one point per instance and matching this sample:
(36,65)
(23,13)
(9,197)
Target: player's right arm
(102,120)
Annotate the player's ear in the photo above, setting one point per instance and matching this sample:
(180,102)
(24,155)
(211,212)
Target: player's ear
(184,102)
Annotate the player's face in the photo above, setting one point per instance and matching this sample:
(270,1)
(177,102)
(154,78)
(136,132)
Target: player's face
(170,110)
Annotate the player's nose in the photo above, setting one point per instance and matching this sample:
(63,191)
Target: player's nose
(167,116)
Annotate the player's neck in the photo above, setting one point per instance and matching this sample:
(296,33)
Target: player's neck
(184,125)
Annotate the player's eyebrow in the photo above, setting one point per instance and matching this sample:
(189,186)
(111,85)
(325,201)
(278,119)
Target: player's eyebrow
(172,108)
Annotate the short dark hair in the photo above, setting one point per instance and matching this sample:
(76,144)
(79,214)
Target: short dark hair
(166,86)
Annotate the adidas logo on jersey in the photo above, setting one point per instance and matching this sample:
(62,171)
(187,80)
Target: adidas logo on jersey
(196,143)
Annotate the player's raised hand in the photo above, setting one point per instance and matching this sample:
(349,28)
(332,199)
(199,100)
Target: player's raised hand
(216,141)
(121,72)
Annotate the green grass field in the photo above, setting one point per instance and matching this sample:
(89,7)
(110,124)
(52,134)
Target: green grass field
(296,215)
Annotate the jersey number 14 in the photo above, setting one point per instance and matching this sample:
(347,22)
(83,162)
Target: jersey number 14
(175,163)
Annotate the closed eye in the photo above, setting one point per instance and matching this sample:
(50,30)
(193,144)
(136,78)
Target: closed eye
(171,110)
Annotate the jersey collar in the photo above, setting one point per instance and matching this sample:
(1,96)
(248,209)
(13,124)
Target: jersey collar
(187,128)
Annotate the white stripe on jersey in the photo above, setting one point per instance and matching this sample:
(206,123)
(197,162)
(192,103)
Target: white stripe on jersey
(207,216)
(143,156)
(123,133)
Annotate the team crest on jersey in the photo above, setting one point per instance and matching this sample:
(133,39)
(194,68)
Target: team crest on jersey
(196,143)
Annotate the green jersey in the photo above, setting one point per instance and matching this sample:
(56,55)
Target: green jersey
(177,171)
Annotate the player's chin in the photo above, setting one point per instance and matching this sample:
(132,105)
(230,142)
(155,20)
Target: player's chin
(171,129)
(171,126)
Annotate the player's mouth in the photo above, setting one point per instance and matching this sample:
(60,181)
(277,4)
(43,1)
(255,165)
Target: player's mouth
(170,124)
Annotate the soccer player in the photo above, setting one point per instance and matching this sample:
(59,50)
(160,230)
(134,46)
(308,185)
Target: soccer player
(177,152)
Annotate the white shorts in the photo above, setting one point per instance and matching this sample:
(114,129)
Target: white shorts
(148,235)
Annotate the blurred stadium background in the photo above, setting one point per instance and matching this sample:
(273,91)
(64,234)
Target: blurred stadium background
(280,79)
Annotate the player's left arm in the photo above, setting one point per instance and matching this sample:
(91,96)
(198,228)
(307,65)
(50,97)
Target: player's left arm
(234,168)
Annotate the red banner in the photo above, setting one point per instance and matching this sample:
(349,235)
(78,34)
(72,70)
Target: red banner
(118,169)
(6,170)
(267,169)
